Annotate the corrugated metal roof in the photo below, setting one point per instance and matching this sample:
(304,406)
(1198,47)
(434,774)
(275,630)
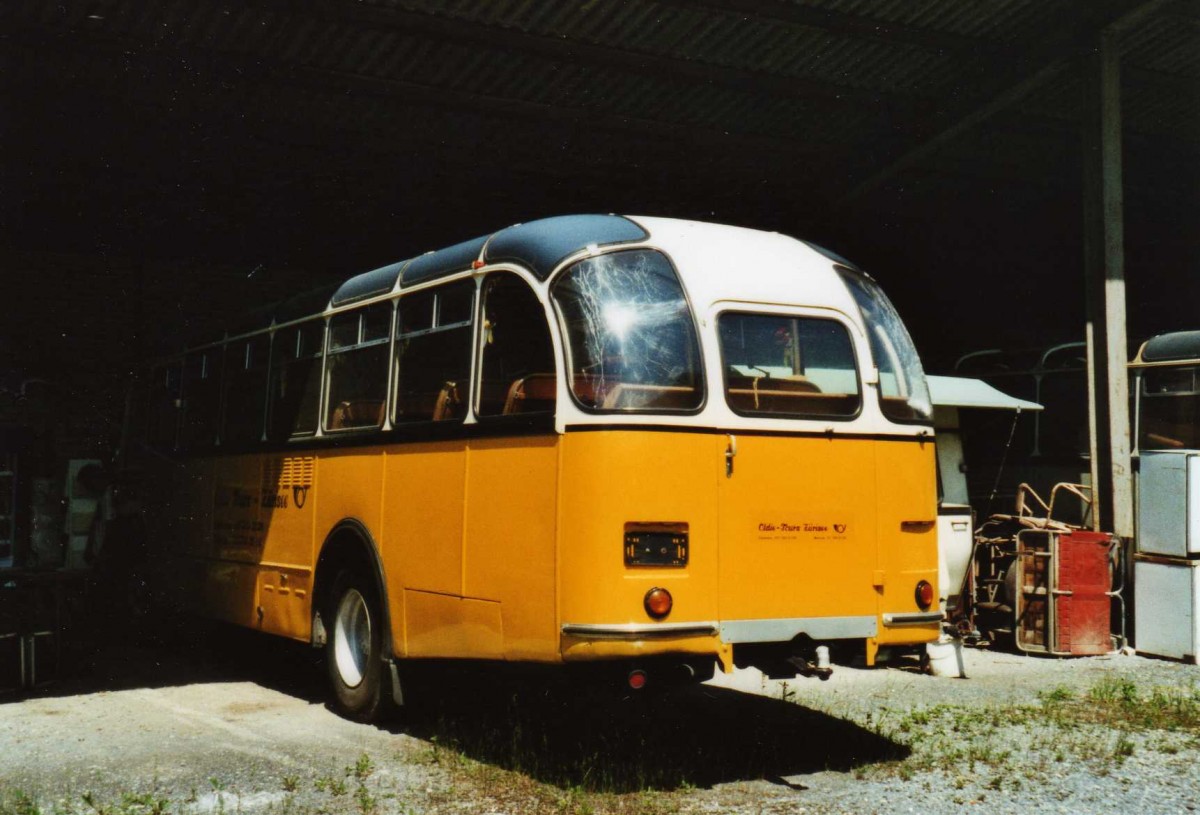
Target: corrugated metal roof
(817,92)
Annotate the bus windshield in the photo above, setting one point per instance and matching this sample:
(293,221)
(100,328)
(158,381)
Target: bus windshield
(631,341)
(904,395)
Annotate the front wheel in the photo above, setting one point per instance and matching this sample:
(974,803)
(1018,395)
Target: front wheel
(354,649)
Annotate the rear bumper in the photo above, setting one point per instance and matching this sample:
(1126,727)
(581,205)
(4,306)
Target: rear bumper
(660,637)
(911,619)
(731,631)
(639,631)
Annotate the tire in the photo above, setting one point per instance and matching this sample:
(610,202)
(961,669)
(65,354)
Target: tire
(354,649)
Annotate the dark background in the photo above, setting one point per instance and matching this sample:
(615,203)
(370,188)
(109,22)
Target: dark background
(168,164)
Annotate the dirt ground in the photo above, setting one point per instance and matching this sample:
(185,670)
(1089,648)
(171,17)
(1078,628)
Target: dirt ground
(232,722)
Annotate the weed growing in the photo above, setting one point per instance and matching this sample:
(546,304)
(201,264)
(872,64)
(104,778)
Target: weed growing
(996,747)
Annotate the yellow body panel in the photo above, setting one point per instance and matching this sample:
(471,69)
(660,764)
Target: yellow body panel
(510,537)
(907,535)
(422,515)
(613,477)
(443,626)
(797,527)
(491,546)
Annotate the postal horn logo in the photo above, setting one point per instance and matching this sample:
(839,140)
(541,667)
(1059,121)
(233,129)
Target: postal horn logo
(299,496)
(839,528)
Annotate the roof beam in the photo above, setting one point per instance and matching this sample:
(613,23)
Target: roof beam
(1183,10)
(1056,58)
(562,50)
(240,69)
(834,22)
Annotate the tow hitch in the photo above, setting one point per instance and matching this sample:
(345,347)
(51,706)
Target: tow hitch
(818,667)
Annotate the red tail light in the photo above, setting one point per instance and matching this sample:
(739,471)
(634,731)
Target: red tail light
(924,594)
(658,603)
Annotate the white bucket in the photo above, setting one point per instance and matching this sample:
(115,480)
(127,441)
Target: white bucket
(946,658)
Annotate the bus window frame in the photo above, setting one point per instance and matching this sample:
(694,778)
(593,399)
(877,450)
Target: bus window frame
(207,353)
(542,297)
(408,428)
(328,352)
(226,371)
(274,332)
(796,313)
(566,349)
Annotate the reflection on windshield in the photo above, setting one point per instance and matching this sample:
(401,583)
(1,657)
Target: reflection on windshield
(631,341)
(904,396)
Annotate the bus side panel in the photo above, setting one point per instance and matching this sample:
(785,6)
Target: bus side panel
(229,573)
(510,527)
(286,568)
(191,505)
(613,477)
(453,627)
(907,489)
(798,530)
(421,537)
(351,486)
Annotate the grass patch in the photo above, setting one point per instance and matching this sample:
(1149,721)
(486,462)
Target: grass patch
(1118,703)
(1103,726)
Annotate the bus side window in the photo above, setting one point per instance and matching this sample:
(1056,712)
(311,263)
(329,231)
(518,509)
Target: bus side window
(433,353)
(163,422)
(201,398)
(295,381)
(356,370)
(517,370)
(245,386)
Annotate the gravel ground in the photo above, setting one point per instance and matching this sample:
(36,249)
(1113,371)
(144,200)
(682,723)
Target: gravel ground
(242,727)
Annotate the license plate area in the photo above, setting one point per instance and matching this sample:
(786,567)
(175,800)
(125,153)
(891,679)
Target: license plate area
(656,544)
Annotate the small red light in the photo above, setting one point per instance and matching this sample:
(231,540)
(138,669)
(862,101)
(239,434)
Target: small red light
(477,264)
(637,679)
(924,594)
(658,603)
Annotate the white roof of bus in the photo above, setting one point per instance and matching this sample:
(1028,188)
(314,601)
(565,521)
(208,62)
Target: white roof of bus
(719,262)
(958,391)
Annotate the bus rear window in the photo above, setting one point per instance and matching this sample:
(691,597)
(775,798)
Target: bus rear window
(631,341)
(788,366)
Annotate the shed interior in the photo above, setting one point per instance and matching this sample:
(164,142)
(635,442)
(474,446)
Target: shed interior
(170,164)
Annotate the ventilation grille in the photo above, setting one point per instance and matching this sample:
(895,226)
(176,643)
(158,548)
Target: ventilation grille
(295,471)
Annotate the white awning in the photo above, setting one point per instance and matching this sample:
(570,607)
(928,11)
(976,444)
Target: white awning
(959,391)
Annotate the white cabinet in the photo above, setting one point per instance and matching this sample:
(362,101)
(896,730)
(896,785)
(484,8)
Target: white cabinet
(1169,504)
(1166,606)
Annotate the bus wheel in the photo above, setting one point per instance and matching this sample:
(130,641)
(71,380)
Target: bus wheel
(354,649)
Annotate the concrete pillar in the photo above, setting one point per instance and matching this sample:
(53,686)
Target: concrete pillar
(1104,267)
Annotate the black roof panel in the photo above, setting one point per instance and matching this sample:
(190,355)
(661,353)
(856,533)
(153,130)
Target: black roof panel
(443,262)
(367,284)
(542,245)
(1177,345)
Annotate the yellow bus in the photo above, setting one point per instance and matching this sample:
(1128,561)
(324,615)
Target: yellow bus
(647,444)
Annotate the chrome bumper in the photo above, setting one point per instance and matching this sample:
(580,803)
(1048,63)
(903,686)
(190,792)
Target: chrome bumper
(921,618)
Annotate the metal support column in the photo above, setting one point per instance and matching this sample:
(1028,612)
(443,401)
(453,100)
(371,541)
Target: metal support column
(1104,267)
